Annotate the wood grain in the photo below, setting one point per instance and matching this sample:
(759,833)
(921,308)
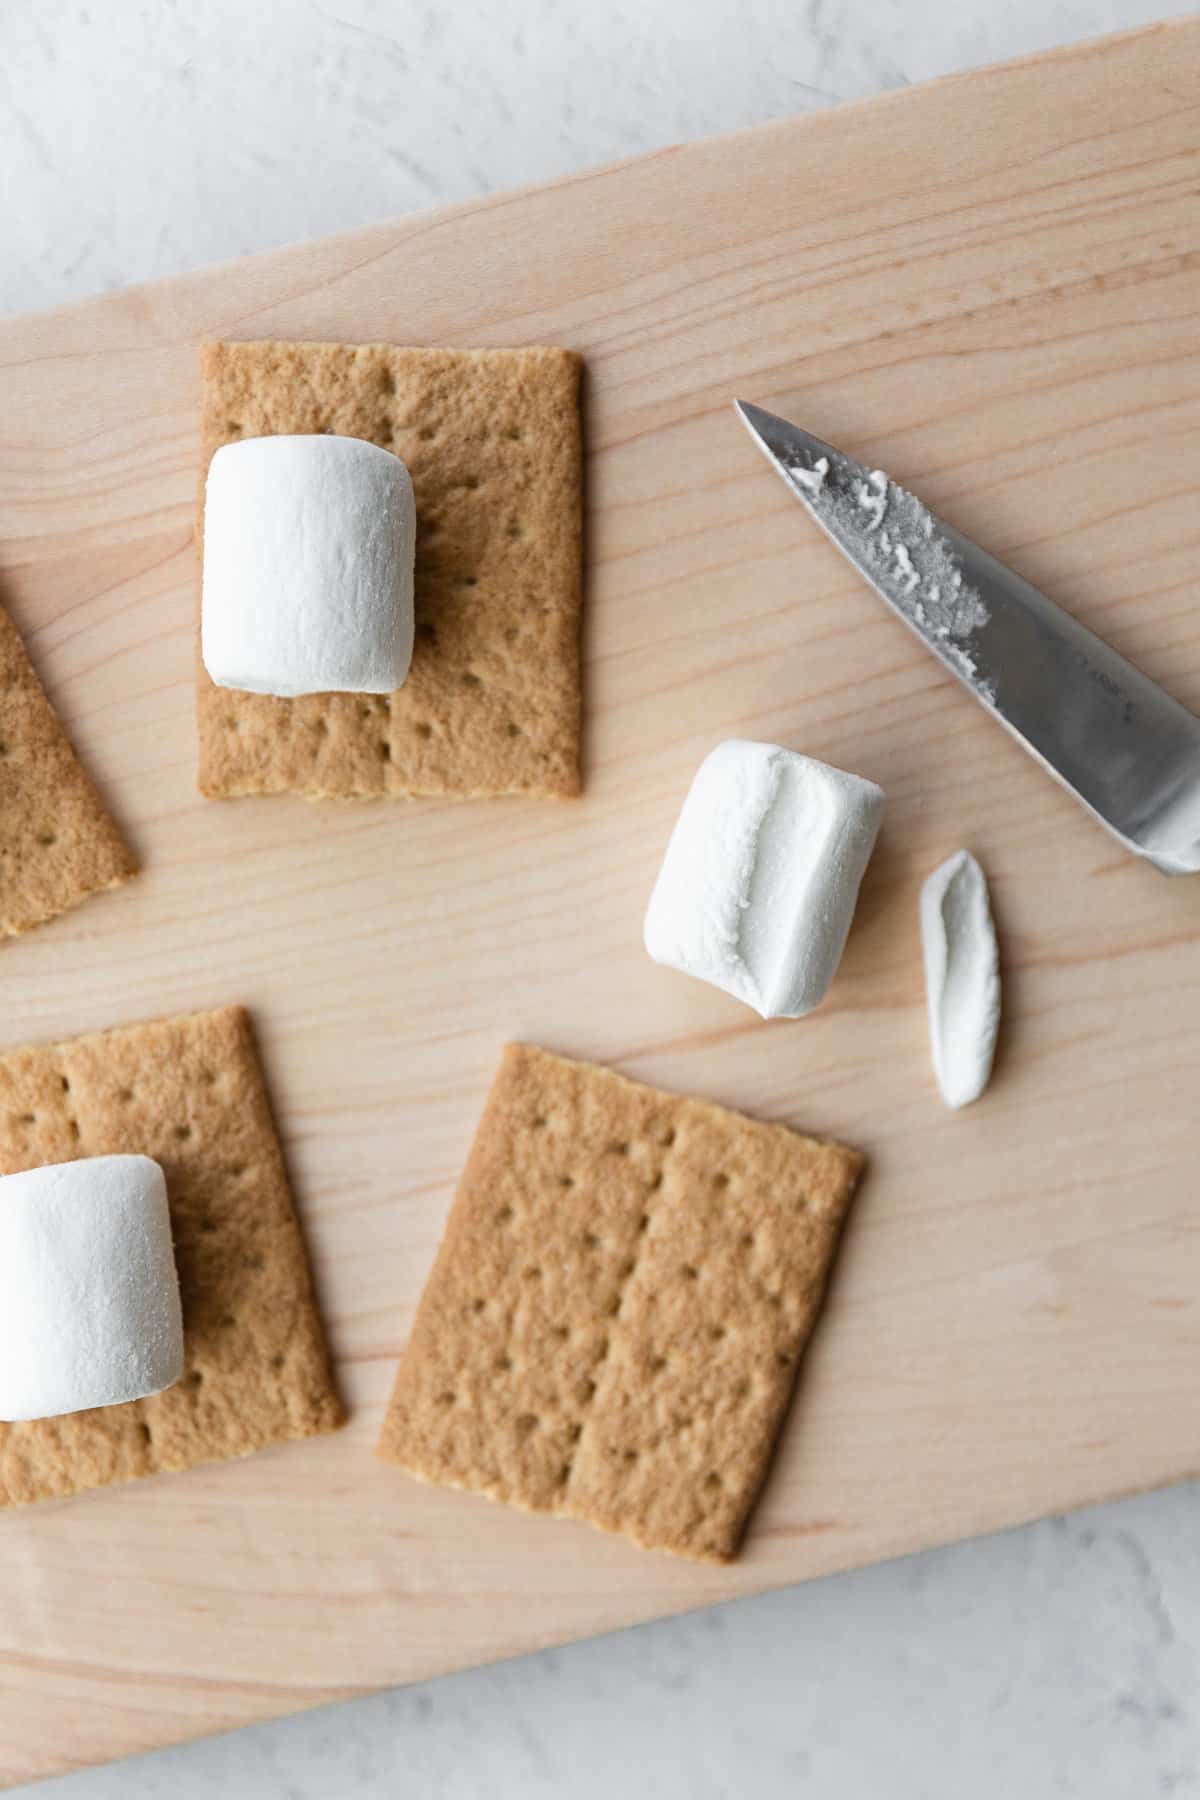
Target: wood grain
(988,286)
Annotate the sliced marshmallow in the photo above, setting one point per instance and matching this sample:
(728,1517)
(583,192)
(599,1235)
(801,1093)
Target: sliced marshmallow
(308,567)
(760,879)
(89,1297)
(962,977)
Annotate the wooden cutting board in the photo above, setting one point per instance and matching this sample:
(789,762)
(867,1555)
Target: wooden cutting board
(990,286)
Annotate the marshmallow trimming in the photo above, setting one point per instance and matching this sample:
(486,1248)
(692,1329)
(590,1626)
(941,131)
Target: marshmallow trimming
(308,567)
(89,1296)
(761,875)
(962,977)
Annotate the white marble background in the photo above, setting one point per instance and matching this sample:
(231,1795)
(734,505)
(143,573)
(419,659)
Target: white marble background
(142,137)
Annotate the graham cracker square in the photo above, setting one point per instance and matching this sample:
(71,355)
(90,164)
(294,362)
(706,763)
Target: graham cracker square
(189,1092)
(57,842)
(493,443)
(613,1325)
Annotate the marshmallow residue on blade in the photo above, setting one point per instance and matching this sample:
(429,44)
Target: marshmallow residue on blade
(308,567)
(962,977)
(89,1297)
(759,882)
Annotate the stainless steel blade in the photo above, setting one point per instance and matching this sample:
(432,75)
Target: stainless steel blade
(1122,746)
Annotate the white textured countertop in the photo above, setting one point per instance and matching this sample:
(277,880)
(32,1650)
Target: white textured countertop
(143,137)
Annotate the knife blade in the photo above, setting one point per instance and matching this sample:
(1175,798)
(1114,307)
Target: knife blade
(1127,751)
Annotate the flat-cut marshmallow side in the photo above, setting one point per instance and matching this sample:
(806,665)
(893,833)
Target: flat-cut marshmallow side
(89,1296)
(758,886)
(309,545)
(962,977)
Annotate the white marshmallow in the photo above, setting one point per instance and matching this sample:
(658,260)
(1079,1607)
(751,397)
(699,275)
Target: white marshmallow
(89,1297)
(760,879)
(962,977)
(308,567)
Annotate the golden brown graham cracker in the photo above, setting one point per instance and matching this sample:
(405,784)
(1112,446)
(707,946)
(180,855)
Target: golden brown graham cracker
(57,843)
(614,1321)
(189,1092)
(492,440)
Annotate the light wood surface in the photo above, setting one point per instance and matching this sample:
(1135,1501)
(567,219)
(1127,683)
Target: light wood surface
(990,287)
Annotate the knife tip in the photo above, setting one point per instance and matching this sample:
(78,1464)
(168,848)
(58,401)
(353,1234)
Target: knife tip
(755,418)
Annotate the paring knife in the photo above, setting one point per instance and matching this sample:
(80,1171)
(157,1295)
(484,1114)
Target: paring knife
(1122,746)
